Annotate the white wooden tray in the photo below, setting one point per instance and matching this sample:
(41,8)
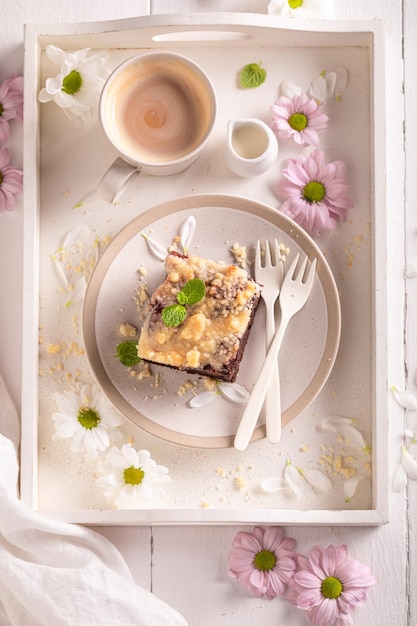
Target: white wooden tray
(62,168)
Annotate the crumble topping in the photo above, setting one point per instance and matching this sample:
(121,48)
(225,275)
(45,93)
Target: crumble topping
(213,328)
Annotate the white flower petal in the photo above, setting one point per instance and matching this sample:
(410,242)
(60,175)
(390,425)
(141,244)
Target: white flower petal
(330,78)
(273,484)
(62,276)
(293,478)
(406,399)
(411,434)
(349,487)
(64,430)
(354,438)
(202,399)
(317,479)
(342,79)
(335,423)
(411,270)
(56,55)
(187,232)
(78,292)
(409,463)
(234,392)
(276,6)
(308,8)
(289,89)
(399,481)
(318,89)
(77,235)
(157,250)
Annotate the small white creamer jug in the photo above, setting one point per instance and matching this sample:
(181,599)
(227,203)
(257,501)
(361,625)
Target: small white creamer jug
(251,147)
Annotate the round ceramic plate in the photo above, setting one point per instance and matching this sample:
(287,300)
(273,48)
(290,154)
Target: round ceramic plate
(159,403)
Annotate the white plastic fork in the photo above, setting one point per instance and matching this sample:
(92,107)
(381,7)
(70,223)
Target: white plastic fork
(270,276)
(295,290)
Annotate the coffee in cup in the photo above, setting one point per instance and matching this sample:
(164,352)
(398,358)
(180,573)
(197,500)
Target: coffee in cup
(158,110)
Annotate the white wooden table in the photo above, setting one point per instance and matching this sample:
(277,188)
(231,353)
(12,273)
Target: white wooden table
(187,566)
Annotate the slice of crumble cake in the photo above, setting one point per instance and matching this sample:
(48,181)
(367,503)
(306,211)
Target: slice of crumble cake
(207,336)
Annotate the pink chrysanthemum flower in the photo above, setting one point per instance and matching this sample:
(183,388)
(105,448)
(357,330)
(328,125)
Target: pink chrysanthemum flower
(299,117)
(263,561)
(11,182)
(316,193)
(328,586)
(11,104)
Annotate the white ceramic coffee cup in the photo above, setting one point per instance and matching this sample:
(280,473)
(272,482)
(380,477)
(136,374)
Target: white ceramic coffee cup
(158,110)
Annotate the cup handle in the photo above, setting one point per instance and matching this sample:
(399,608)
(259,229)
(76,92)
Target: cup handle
(115,180)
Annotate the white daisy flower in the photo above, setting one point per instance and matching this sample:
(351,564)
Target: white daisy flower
(88,419)
(77,87)
(130,478)
(300,8)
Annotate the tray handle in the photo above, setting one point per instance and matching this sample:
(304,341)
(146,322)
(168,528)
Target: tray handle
(200,36)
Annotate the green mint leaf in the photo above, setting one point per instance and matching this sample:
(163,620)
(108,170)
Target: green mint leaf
(252,75)
(127,353)
(173,315)
(192,292)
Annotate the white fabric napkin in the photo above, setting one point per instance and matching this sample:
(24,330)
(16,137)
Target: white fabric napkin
(58,574)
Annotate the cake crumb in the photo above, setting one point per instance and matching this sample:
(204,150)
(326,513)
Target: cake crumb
(209,383)
(241,482)
(54,348)
(239,254)
(186,386)
(127,330)
(284,250)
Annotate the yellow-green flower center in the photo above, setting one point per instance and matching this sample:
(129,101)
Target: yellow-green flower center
(88,418)
(133,475)
(295,4)
(331,587)
(1,109)
(297,121)
(314,192)
(264,560)
(1,178)
(72,82)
